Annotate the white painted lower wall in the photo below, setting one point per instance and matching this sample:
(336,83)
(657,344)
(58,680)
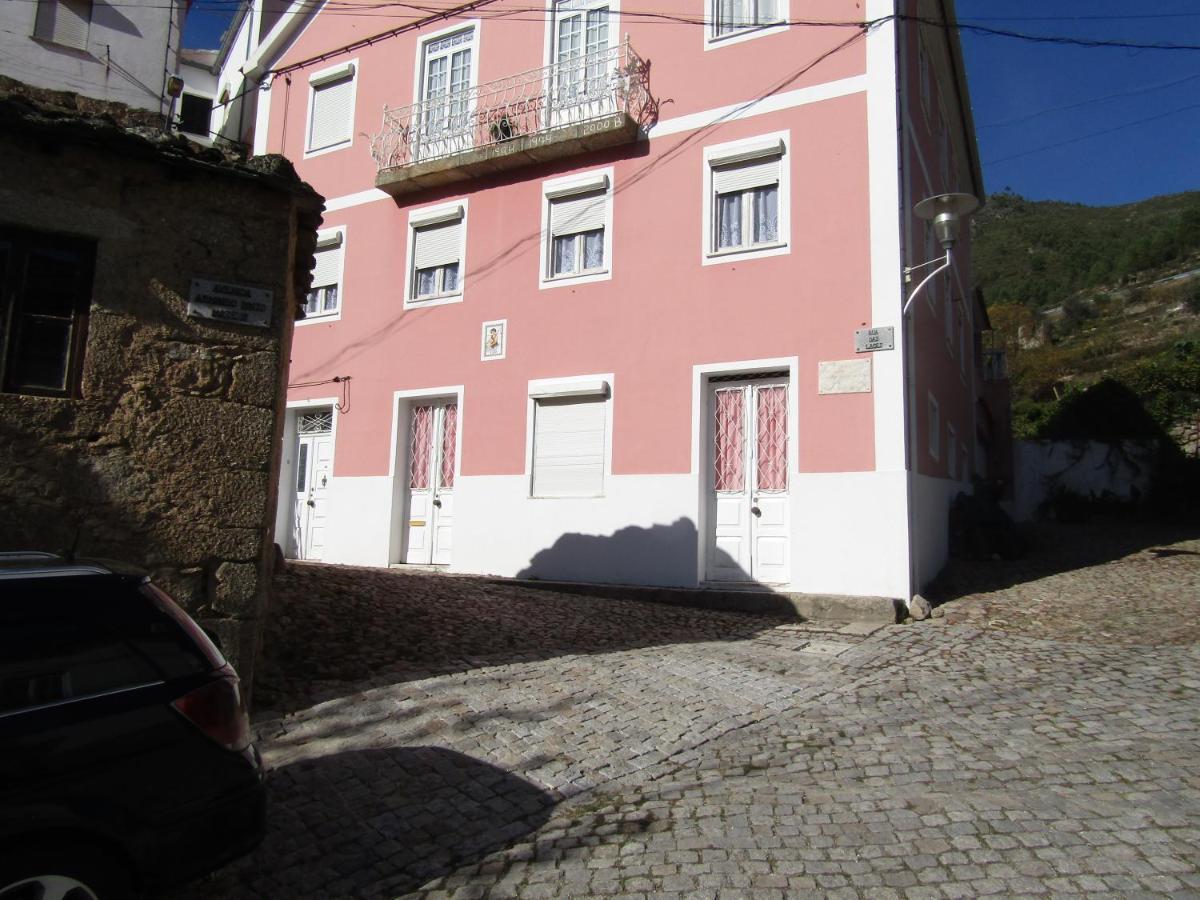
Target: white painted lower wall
(931,499)
(849,531)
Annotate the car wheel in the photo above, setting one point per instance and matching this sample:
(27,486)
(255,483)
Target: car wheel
(62,873)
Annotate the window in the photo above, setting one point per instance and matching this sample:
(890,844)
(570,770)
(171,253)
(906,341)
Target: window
(577,228)
(580,39)
(569,425)
(195,113)
(324,296)
(448,70)
(951,450)
(64,22)
(45,291)
(935,428)
(730,17)
(331,108)
(436,253)
(747,198)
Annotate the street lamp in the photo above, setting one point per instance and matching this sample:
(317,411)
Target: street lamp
(945,212)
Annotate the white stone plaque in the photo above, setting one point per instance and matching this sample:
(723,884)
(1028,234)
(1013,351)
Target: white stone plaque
(868,340)
(844,376)
(230,302)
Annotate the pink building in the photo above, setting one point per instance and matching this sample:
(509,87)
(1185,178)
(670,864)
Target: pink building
(586,298)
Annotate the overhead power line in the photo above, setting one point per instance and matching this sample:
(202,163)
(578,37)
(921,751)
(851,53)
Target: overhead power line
(1053,109)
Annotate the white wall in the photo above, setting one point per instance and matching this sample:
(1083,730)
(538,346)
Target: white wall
(848,531)
(130,47)
(931,499)
(1087,468)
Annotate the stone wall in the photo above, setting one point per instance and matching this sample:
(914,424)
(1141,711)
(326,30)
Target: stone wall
(168,456)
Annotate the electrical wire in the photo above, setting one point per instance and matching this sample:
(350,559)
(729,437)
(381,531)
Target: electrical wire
(1081,103)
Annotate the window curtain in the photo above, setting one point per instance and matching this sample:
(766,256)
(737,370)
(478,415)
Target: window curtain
(771,410)
(449,432)
(421,448)
(729,440)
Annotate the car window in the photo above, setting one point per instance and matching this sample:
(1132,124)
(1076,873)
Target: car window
(176,644)
(44,662)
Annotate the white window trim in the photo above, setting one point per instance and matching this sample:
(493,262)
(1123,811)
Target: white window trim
(325,76)
(934,428)
(476,25)
(778,142)
(483,329)
(713,41)
(87,37)
(433,215)
(558,188)
(572,386)
(325,236)
(614,22)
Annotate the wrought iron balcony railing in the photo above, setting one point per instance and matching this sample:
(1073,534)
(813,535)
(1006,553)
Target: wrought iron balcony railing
(520,111)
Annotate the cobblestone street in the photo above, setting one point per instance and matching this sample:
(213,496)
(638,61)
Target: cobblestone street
(448,736)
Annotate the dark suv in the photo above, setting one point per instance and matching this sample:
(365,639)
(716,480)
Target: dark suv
(125,757)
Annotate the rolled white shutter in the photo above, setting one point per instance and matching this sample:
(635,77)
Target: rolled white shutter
(578,212)
(568,447)
(437,245)
(329,262)
(759,173)
(332,104)
(64,22)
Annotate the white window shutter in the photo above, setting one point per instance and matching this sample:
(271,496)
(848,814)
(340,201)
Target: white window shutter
(329,262)
(758,173)
(64,22)
(437,245)
(568,447)
(579,212)
(332,105)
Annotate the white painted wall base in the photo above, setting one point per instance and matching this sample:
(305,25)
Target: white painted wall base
(849,532)
(931,524)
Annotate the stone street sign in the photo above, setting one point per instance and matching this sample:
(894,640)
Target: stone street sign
(868,340)
(230,302)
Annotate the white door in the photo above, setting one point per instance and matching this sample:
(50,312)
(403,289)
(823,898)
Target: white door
(314,471)
(580,83)
(445,124)
(748,531)
(433,429)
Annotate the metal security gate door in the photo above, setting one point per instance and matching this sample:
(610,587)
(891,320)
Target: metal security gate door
(433,429)
(314,471)
(748,533)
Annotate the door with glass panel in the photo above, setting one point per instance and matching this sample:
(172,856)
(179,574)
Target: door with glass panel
(433,430)
(314,472)
(579,88)
(445,123)
(749,537)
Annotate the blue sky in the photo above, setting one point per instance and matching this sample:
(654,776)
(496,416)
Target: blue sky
(1029,97)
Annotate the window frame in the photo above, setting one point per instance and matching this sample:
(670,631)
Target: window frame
(475,26)
(346,70)
(714,41)
(21,241)
(558,189)
(339,233)
(208,133)
(428,216)
(600,386)
(747,150)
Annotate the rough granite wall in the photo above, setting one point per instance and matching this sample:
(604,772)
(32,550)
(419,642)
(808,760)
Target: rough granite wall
(169,456)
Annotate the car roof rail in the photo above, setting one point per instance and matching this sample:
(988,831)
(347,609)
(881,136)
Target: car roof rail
(22,555)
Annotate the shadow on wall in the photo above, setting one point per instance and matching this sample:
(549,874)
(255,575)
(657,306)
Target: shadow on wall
(379,823)
(658,555)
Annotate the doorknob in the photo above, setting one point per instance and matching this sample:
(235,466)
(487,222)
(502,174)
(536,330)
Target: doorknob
(312,502)
(756,510)
(437,502)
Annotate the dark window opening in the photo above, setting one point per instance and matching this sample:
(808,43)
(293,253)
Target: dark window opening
(195,114)
(45,291)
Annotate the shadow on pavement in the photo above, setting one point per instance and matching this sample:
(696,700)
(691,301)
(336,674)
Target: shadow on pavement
(373,823)
(333,630)
(1056,547)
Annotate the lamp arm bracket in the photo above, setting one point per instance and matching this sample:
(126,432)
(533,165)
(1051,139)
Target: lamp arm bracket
(945,264)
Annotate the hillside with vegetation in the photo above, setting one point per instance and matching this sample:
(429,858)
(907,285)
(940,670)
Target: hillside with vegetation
(1079,295)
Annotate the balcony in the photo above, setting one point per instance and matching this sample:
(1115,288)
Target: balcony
(594,101)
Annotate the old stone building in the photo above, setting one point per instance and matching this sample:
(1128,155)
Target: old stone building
(132,426)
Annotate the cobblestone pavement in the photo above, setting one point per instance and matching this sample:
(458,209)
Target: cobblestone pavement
(707,754)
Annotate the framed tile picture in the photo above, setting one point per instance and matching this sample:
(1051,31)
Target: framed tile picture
(494,340)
